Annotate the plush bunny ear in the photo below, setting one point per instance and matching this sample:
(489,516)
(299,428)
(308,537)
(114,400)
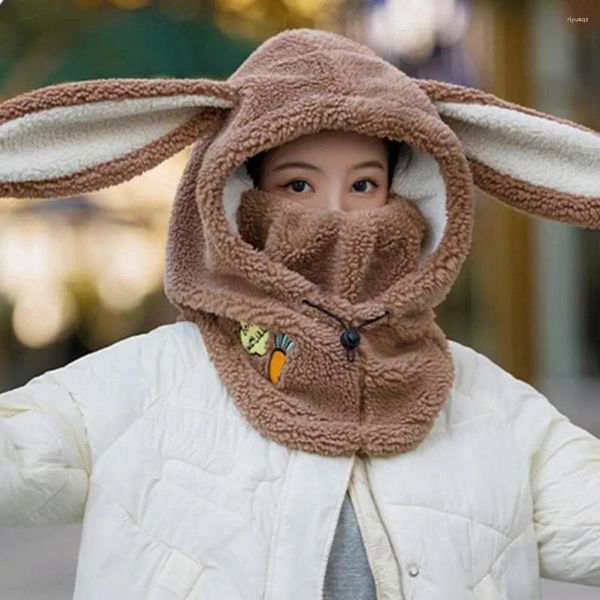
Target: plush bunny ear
(78,137)
(537,163)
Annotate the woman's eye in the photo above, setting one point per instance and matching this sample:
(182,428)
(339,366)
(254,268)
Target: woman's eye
(362,185)
(297,185)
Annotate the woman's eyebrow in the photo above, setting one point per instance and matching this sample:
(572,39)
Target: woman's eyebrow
(369,163)
(296,164)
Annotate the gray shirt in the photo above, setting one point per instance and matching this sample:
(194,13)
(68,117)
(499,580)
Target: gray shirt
(348,575)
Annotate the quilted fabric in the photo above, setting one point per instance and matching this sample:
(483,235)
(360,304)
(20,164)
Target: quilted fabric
(181,498)
(181,495)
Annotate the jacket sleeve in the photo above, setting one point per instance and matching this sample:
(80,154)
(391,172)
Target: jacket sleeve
(562,462)
(44,453)
(54,428)
(565,483)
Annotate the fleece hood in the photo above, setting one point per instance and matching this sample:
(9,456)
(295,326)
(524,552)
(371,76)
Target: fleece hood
(278,337)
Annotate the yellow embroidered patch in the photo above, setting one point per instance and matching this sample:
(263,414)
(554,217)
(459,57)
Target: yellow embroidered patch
(254,338)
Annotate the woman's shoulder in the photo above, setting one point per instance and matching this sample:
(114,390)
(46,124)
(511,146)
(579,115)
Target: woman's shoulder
(181,341)
(476,373)
(480,382)
(164,352)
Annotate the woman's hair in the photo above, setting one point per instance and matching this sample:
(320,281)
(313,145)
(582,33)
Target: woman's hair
(254,163)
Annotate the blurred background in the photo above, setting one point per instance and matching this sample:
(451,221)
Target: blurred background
(80,273)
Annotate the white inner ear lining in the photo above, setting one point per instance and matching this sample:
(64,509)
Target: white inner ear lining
(539,151)
(63,141)
(416,177)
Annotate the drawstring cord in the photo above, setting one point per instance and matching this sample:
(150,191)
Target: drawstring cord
(350,337)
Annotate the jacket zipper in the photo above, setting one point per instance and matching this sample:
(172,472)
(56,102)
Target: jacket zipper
(388,581)
(333,528)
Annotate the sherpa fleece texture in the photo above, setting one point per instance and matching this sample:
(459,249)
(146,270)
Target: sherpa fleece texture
(358,256)
(385,401)
(39,127)
(298,82)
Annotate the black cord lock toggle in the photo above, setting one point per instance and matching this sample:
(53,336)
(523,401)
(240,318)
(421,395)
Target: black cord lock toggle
(350,338)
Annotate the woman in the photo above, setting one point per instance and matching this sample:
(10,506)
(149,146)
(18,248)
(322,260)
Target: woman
(221,457)
(334,171)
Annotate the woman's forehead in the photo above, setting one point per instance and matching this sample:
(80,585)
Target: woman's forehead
(347,142)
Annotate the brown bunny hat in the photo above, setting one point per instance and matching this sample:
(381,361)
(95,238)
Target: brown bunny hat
(279,339)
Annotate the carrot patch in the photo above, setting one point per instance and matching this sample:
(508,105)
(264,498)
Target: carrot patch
(282,346)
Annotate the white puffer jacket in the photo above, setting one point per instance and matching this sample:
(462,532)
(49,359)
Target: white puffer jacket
(181,498)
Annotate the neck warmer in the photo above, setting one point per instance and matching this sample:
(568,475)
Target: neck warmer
(403,368)
(317,379)
(321,326)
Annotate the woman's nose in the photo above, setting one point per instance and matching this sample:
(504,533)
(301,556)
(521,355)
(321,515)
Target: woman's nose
(337,198)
